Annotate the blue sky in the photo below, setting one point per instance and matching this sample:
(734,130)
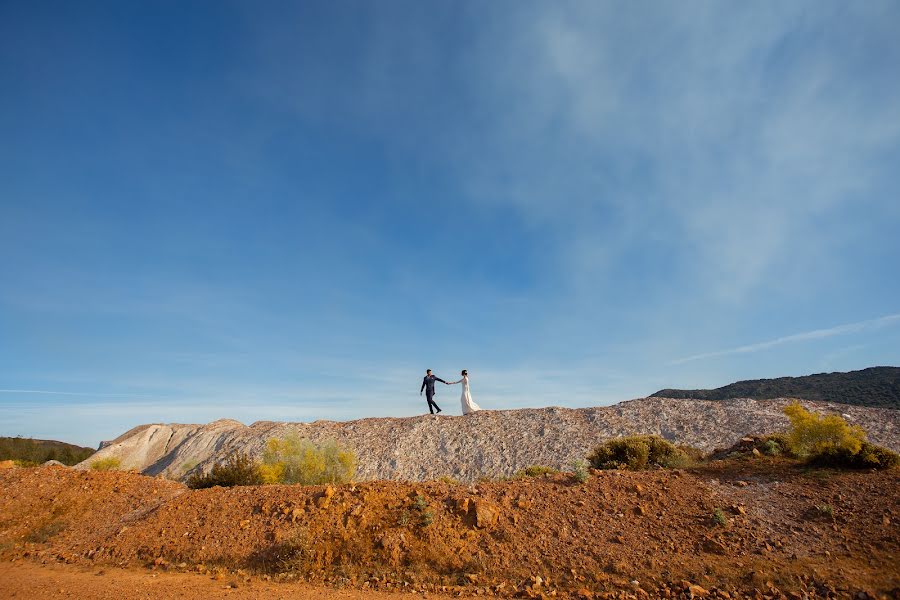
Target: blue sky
(287,211)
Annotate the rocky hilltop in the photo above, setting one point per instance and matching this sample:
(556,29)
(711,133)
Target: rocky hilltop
(488,443)
(877,387)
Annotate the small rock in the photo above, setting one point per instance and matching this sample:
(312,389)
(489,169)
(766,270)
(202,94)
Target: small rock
(697,592)
(714,547)
(486,514)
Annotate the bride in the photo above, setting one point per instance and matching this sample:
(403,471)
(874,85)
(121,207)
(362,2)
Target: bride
(468,405)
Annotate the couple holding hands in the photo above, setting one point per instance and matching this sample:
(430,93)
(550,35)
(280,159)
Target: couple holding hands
(468,405)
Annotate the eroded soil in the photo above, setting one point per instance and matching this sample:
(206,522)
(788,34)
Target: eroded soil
(763,528)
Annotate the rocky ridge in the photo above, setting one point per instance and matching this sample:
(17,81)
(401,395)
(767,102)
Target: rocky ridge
(485,444)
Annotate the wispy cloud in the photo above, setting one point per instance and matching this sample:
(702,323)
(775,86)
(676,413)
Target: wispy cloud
(88,394)
(816,334)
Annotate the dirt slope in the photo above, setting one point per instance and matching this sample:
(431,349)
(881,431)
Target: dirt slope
(780,527)
(488,443)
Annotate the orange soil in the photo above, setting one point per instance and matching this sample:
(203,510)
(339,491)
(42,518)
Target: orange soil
(23,580)
(654,528)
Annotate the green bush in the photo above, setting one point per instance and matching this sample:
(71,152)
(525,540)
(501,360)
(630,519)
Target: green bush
(426,517)
(640,452)
(719,518)
(294,460)
(237,469)
(776,445)
(580,471)
(110,463)
(534,471)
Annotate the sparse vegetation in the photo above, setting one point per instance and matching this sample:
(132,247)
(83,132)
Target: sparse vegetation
(829,441)
(292,459)
(237,469)
(426,517)
(30,452)
(535,471)
(580,471)
(404,518)
(43,533)
(110,463)
(641,452)
(448,480)
(719,518)
(775,445)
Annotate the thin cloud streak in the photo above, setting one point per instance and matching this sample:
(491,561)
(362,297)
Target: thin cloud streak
(89,394)
(798,337)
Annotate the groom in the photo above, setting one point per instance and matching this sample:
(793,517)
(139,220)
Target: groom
(428,386)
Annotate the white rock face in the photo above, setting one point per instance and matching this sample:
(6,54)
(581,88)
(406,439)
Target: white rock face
(487,443)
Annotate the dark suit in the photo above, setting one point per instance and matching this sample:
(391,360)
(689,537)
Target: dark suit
(428,386)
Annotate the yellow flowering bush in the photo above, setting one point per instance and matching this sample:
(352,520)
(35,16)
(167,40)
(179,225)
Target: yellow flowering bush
(291,459)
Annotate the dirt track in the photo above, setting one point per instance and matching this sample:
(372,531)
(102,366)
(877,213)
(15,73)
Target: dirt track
(781,530)
(23,580)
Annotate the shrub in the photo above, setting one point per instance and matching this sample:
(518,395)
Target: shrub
(813,434)
(719,518)
(43,533)
(237,469)
(640,452)
(580,471)
(294,460)
(426,517)
(110,463)
(869,456)
(776,445)
(448,480)
(534,471)
(829,441)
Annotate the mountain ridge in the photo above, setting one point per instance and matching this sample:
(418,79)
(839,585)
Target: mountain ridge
(876,387)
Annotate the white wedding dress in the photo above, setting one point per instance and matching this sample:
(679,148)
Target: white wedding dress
(468,405)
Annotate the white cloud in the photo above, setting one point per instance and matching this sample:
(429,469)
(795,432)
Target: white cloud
(816,334)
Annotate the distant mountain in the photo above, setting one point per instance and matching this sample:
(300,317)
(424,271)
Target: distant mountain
(40,451)
(877,387)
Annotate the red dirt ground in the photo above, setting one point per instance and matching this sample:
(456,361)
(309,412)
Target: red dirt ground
(23,580)
(782,532)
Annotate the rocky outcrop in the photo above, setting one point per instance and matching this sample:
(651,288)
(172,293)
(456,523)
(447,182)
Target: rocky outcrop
(487,443)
